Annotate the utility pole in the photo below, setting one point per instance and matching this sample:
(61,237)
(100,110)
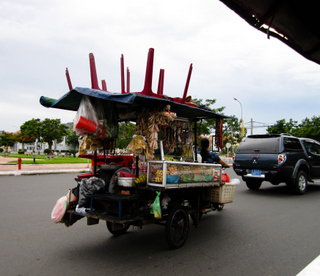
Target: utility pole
(251,126)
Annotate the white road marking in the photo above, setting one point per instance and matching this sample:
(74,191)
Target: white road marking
(312,269)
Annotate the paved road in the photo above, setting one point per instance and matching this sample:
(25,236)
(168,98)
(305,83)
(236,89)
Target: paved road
(267,232)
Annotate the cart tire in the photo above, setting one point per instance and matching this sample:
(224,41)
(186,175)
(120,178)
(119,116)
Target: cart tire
(177,227)
(220,207)
(217,206)
(119,231)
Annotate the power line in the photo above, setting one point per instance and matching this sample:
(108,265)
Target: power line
(261,125)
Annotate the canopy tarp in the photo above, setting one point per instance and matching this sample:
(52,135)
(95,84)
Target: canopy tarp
(294,22)
(126,103)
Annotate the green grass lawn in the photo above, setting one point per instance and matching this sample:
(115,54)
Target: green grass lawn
(42,159)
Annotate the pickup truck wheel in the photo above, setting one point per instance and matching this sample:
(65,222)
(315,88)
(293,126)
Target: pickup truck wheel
(299,184)
(253,184)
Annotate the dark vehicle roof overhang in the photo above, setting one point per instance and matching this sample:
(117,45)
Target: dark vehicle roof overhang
(126,103)
(294,22)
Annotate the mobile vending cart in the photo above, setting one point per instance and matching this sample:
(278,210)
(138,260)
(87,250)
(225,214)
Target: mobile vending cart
(161,182)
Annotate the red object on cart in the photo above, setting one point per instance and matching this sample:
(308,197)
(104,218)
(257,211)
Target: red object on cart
(124,160)
(86,125)
(225,177)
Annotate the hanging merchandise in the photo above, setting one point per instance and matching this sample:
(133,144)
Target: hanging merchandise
(88,143)
(219,133)
(156,207)
(60,208)
(108,120)
(137,145)
(148,125)
(86,119)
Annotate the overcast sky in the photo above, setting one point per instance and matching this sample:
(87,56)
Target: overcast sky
(39,39)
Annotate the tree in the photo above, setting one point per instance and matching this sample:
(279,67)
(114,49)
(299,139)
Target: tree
(7,140)
(52,129)
(29,132)
(283,127)
(232,131)
(72,139)
(126,131)
(206,127)
(309,128)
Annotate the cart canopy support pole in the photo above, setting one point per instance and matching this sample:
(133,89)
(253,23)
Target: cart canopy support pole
(95,163)
(195,141)
(137,166)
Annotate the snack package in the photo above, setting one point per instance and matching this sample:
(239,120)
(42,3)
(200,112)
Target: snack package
(137,145)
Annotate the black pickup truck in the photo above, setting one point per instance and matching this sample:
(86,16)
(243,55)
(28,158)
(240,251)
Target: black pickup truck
(278,158)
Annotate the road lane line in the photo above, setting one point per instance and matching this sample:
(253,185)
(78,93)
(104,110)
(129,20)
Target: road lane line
(312,269)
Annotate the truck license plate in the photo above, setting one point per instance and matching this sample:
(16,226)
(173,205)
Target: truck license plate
(256,172)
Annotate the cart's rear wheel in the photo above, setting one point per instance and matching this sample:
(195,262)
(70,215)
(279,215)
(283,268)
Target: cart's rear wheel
(177,227)
(117,228)
(217,206)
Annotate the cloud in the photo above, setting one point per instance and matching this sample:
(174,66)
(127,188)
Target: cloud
(39,39)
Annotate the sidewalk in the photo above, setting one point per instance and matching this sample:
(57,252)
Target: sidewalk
(8,169)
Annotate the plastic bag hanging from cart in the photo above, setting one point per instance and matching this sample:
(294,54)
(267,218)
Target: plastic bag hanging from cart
(60,208)
(86,119)
(156,207)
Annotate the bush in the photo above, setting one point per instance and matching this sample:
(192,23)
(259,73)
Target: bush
(20,151)
(47,151)
(1,150)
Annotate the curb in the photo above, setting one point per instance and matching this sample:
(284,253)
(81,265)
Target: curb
(35,172)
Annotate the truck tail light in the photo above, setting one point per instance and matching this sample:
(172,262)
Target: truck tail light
(282,158)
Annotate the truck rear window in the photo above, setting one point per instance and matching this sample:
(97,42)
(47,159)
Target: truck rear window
(268,145)
(259,145)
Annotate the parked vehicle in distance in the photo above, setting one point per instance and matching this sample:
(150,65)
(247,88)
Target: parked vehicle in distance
(278,158)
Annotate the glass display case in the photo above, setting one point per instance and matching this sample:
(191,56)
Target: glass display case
(173,174)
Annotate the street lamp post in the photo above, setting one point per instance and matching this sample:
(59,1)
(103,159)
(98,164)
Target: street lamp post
(240,106)
(241,120)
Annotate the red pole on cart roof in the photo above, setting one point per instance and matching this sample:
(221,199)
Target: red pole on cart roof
(122,75)
(128,80)
(187,84)
(147,90)
(68,79)
(161,81)
(93,72)
(104,85)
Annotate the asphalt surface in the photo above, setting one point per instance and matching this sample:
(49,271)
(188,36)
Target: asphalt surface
(269,232)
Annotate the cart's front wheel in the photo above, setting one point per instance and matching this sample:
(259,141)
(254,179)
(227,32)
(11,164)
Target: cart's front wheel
(177,227)
(117,228)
